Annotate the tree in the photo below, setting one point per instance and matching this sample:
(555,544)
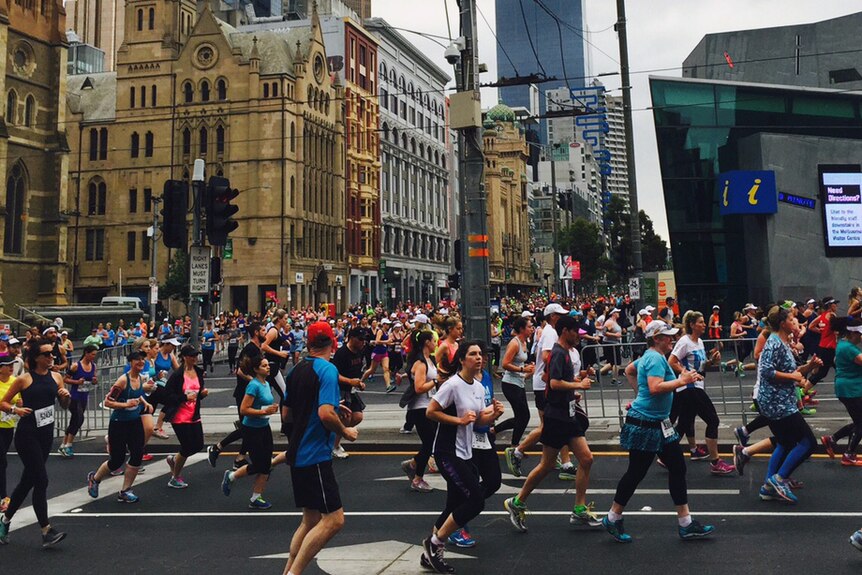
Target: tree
(653,248)
(582,240)
(176,286)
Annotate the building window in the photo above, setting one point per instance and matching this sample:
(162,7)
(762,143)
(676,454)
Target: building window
(292,192)
(133,200)
(148,200)
(151,24)
(221,88)
(94,144)
(11,106)
(292,136)
(95,248)
(220,140)
(203,141)
(103,144)
(205,91)
(29,111)
(136,144)
(266,90)
(148,145)
(97,195)
(188,93)
(140,20)
(187,141)
(131,245)
(275,89)
(153,96)
(15,196)
(132,92)
(145,247)
(143,96)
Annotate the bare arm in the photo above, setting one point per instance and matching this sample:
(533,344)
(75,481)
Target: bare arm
(330,420)
(420,383)
(567,385)
(6,403)
(511,350)
(265,347)
(632,375)
(659,385)
(114,394)
(435,413)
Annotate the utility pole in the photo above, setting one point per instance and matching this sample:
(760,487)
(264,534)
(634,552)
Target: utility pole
(154,278)
(473,228)
(555,209)
(197,241)
(630,148)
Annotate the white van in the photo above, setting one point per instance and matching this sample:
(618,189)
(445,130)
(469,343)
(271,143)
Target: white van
(134,302)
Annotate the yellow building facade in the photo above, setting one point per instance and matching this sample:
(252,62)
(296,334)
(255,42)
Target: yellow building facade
(259,106)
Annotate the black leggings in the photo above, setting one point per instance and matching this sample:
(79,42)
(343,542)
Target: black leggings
(465,498)
(6,435)
(426,430)
(231,356)
(488,464)
(854,408)
(639,463)
(191,437)
(208,357)
(125,436)
(258,441)
(828,357)
(495,352)
(33,445)
(77,407)
(235,435)
(675,410)
(517,398)
(758,422)
(696,403)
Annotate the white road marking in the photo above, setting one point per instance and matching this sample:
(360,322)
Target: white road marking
(235,514)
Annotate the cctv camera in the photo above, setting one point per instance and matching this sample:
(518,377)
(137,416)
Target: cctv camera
(452,54)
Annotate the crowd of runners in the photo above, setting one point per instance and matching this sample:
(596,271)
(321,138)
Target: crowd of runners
(305,373)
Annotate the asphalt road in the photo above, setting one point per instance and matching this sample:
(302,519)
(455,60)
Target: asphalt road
(200,530)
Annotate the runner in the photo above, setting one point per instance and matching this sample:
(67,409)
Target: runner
(422,375)
(648,431)
(258,404)
(848,387)
(166,362)
(612,336)
(183,394)
(208,346)
(273,348)
(447,350)
(234,339)
(565,425)
(80,378)
(380,355)
(348,361)
(516,369)
(828,340)
(125,430)
(39,388)
(7,424)
(312,401)
(456,407)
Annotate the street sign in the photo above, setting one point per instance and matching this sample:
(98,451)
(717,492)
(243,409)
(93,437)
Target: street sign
(199,270)
(393,293)
(227,252)
(300,277)
(153,281)
(634,288)
(154,293)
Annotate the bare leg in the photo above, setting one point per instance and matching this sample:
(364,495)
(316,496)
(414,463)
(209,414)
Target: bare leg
(129,477)
(313,540)
(712,447)
(545,466)
(179,463)
(532,438)
(147,420)
(387,378)
(584,456)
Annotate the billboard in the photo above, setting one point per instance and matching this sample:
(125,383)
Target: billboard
(841,198)
(747,192)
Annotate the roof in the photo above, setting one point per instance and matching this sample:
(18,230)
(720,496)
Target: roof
(501,113)
(94,96)
(277,48)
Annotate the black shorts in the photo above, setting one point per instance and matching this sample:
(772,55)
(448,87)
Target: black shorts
(540,400)
(314,487)
(190,436)
(557,433)
(353,402)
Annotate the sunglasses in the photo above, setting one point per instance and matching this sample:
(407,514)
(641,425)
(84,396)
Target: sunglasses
(46,354)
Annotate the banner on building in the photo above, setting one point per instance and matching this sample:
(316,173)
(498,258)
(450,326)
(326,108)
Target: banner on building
(569,268)
(747,192)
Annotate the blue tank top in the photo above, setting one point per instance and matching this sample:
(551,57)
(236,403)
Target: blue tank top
(163,363)
(381,349)
(40,398)
(128,393)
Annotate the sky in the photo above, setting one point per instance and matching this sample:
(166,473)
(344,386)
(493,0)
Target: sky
(661,34)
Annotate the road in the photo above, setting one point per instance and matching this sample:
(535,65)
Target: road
(200,530)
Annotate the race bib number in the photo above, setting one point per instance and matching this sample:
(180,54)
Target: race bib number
(667,429)
(481,441)
(573,408)
(232,341)
(44,416)
(8,417)
(85,387)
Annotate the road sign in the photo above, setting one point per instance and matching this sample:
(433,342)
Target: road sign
(227,252)
(634,288)
(199,271)
(300,277)
(153,281)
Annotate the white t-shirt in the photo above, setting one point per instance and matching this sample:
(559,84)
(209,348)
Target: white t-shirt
(421,400)
(691,355)
(546,343)
(458,439)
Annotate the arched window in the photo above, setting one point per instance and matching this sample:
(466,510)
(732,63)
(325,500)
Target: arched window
(413,146)
(140,20)
(11,107)
(220,140)
(16,187)
(97,195)
(153,96)
(266,90)
(143,96)
(29,111)
(148,145)
(203,141)
(221,88)
(187,141)
(103,144)
(292,137)
(292,191)
(151,24)
(275,89)
(94,144)
(188,93)
(136,144)
(383,71)
(326,100)
(205,91)
(132,92)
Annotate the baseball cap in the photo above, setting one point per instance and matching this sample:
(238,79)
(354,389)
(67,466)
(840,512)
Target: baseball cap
(715,307)
(527,313)
(749,306)
(188,350)
(856,328)
(643,312)
(49,329)
(171,340)
(7,360)
(649,309)
(420,318)
(554,308)
(318,329)
(14,341)
(828,300)
(615,310)
(135,355)
(385,320)
(810,301)
(659,328)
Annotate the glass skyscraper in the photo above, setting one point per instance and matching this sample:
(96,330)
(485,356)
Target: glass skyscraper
(560,51)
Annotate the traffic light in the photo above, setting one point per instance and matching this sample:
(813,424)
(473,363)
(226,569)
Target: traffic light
(455,280)
(220,210)
(215,271)
(458,255)
(175,206)
(215,295)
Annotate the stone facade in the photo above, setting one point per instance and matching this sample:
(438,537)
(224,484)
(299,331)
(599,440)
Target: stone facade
(259,106)
(34,153)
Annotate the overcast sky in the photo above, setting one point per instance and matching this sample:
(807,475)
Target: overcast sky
(661,35)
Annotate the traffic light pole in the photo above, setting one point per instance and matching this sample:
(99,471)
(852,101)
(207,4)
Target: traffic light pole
(154,266)
(197,241)
(555,210)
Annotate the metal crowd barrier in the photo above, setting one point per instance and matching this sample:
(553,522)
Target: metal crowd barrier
(730,390)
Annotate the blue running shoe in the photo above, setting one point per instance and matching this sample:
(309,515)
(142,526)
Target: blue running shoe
(767,493)
(127,497)
(4,532)
(616,529)
(462,539)
(741,436)
(92,485)
(260,504)
(226,483)
(782,489)
(695,531)
(856,540)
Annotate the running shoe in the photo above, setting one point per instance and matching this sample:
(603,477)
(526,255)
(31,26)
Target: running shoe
(434,555)
(462,539)
(829,444)
(856,540)
(699,453)
(4,532)
(51,538)
(782,489)
(808,400)
(226,483)
(740,459)
(559,463)
(740,370)
(767,493)
(568,472)
(741,436)
(616,529)
(160,433)
(340,453)
(170,460)
(147,457)
(66,451)
(695,531)
(119,471)
(513,462)
(661,463)
(812,392)
(390,388)
(517,514)
(848,460)
(721,468)
(420,485)
(237,463)
(794,484)
(404,431)
(423,562)
(808,411)
(409,468)
(586,516)
(92,485)
(4,504)
(127,497)
(213,452)
(177,483)
(259,504)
